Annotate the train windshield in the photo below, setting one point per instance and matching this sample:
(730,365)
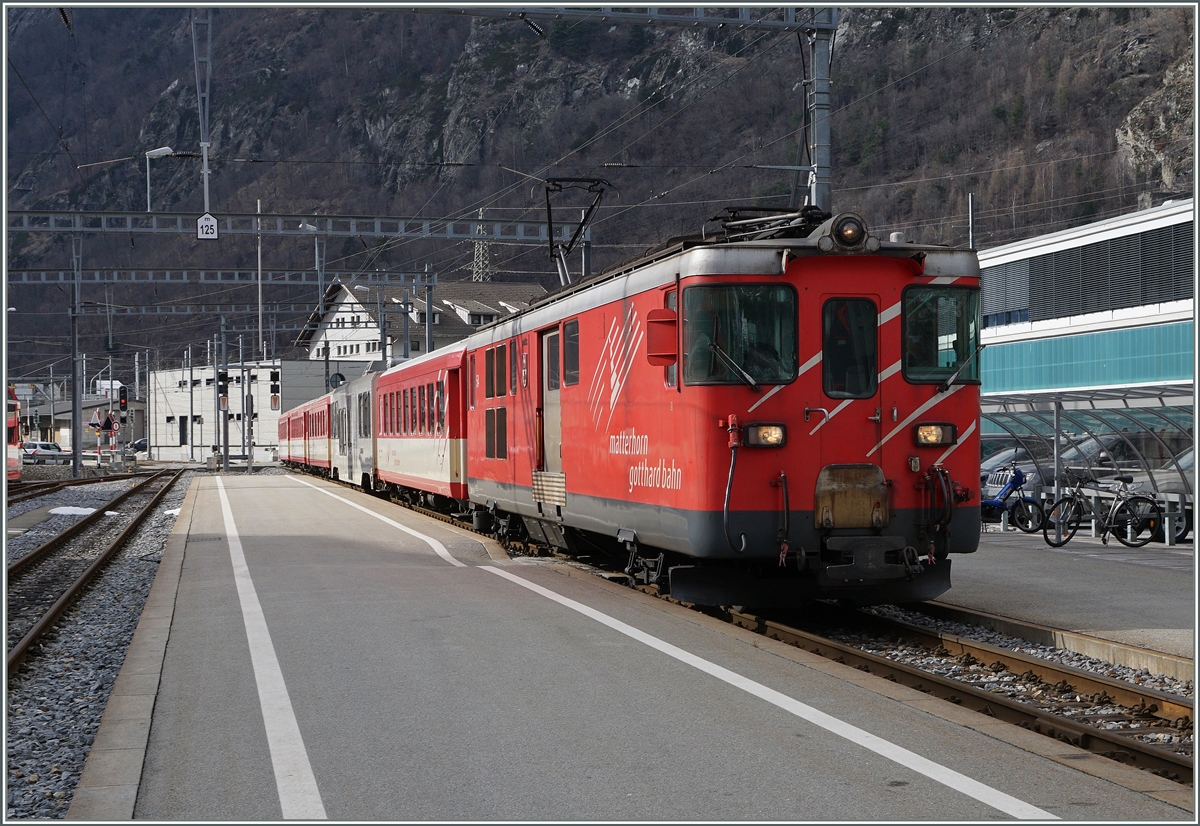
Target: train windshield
(732,330)
(941,334)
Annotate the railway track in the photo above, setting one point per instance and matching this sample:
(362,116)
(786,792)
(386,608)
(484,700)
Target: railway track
(20,491)
(1043,696)
(42,584)
(1108,717)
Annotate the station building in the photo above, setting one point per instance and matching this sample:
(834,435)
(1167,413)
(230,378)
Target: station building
(1094,328)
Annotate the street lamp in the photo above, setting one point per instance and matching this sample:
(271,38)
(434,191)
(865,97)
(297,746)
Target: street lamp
(161,152)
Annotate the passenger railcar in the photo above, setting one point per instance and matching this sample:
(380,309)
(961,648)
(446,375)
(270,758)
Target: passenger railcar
(12,421)
(785,410)
(421,427)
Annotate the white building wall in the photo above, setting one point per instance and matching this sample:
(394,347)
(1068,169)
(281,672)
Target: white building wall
(172,398)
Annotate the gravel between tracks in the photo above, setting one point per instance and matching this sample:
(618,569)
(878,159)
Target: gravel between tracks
(56,699)
(1141,677)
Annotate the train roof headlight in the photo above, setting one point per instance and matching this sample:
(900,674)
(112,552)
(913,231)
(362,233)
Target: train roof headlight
(765,435)
(849,231)
(935,435)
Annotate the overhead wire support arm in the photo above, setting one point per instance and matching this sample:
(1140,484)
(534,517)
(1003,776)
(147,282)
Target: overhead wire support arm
(560,250)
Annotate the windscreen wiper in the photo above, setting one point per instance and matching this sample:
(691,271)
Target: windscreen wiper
(944,386)
(728,361)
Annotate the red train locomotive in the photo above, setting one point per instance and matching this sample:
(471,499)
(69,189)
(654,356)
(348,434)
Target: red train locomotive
(787,409)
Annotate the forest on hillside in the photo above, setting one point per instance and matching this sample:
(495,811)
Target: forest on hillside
(1047,117)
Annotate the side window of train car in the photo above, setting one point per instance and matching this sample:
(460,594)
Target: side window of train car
(472,380)
(489,373)
(849,351)
(421,408)
(570,374)
(501,371)
(495,420)
(429,410)
(552,365)
(512,367)
(671,371)
(441,407)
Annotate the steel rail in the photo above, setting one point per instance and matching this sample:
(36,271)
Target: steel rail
(77,528)
(44,488)
(17,655)
(1171,707)
(1120,747)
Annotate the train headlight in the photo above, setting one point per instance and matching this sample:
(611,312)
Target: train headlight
(849,230)
(933,435)
(764,435)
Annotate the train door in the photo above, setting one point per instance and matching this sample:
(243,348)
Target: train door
(551,408)
(851,488)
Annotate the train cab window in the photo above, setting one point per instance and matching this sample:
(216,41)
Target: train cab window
(731,332)
(570,374)
(940,334)
(849,350)
(501,371)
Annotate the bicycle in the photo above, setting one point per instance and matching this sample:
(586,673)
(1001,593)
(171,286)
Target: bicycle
(1132,518)
(1025,512)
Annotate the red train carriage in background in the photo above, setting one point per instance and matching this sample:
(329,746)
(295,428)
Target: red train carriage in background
(12,420)
(785,410)
(420,429)
(304,436)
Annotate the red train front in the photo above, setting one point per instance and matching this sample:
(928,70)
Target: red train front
(787,416)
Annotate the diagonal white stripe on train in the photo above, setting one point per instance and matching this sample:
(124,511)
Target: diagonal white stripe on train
(940,397)
(804,368)
(962,436)
(831,414)
(887,373)
(894,310)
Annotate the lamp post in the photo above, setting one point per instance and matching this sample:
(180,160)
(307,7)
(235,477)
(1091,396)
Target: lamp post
(161,152)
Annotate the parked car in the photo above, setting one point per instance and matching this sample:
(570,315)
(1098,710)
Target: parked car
(43,453)
(1175,478)
(135,447)
(1096,457)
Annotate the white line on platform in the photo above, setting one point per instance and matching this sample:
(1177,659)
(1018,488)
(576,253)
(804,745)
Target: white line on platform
(935,771)
(294,779)
(438,547)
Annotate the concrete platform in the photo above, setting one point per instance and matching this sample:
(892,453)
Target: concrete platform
(1143,597)
(469,686)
